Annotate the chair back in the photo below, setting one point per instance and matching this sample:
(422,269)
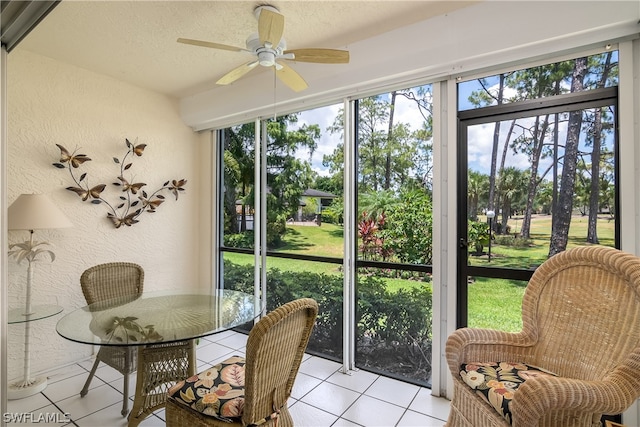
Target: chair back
(112,280)
(275,348)
(582,308)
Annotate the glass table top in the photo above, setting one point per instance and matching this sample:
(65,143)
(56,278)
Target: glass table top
(157,317)
(17,315)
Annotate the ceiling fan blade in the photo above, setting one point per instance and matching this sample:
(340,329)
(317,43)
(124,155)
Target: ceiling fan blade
(236,73)
(290,77)
(325,56)
(270,27)
(211,45)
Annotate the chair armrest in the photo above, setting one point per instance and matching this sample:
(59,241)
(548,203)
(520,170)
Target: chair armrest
(486,345)
(537,397)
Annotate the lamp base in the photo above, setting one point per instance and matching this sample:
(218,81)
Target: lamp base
(21,389)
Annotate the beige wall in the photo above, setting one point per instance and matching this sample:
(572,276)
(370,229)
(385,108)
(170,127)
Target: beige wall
(50,103)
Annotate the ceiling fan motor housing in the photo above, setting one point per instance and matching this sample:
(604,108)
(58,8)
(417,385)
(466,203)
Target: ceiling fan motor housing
(266,55)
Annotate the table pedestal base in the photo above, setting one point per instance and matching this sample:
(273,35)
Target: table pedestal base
(159,367)
(21,389)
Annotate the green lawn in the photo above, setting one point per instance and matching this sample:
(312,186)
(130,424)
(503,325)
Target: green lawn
(496,303)
(493,303)
(325,240)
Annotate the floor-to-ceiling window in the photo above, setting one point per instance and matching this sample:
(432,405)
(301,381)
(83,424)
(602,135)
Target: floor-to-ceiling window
(394,233)
(301,210)
(299,215)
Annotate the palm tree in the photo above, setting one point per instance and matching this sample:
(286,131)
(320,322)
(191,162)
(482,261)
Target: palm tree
(477,187)
(511,183)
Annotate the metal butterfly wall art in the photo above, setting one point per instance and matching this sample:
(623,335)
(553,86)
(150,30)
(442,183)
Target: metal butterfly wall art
(133,200)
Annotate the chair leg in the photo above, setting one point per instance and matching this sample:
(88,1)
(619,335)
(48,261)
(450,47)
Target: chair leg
(85,389)
(125,398)
(128,355)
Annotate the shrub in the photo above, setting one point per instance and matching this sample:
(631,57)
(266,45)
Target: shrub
(512,241)
(239,240)
(407,230)
(331,217)
(276,227)
(478,236)
(244,239)
(394,329)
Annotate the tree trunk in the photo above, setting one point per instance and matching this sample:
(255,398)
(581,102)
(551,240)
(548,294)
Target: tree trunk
(503,159)
(230,209)
(594,195)
(594,191)
(506,212)
(473,207)
(536,153)
(561,219)
(494,152)
(387,165)
(243,214)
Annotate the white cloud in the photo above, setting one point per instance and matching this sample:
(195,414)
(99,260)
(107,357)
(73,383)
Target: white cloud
(323,117)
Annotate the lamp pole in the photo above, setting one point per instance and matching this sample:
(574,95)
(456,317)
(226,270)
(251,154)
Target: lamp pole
(32,212)
(490,216)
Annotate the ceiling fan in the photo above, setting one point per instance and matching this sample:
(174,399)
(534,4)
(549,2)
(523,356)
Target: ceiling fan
(268,46)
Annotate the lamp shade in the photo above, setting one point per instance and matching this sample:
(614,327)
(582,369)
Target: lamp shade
(35,211)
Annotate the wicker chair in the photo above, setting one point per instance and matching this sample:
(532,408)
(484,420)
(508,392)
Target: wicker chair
(101,283)
(581,326)
(275,348)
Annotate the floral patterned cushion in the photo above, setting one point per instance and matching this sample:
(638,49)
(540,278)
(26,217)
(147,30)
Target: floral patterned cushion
(217,392)
(496,382)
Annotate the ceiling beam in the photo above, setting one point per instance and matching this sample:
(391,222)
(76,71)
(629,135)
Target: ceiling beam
(18,18)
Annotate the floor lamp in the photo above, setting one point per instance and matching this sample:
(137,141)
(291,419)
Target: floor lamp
(31,212)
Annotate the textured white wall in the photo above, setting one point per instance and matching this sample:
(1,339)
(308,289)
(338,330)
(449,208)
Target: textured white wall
(51,102)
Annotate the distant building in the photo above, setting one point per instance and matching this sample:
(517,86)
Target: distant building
(316,199)
(321,200)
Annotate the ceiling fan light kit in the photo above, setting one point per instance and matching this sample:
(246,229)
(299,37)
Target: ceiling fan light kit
(268,47)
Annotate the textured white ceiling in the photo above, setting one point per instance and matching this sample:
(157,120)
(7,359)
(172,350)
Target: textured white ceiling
(135,41)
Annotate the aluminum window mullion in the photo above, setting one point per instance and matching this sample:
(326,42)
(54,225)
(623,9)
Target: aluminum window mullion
(629,155)
(263,216)
(257,220)
(444,240)
(217,156)
(350,256)
(4,280)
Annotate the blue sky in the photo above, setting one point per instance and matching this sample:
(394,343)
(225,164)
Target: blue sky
(406,112)
(480,136)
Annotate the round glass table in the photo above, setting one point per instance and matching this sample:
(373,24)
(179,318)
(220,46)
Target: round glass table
(158,317)
(164,326)
(18,315)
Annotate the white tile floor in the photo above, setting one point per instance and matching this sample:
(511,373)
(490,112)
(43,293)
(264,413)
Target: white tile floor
(322,396)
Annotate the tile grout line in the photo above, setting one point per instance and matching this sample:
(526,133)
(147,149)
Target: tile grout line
(55,405)
(358,398)
(406,409)
(318,374)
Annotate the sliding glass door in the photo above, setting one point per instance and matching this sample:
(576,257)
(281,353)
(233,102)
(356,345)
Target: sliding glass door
(538,175)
